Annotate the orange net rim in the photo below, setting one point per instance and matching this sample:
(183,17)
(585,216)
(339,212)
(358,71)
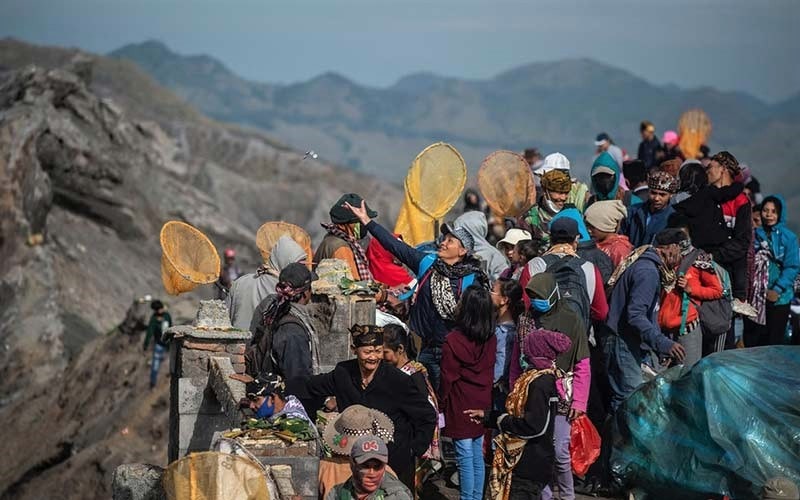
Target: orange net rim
(284,229)
(203,237)
(496,209)
(461,186)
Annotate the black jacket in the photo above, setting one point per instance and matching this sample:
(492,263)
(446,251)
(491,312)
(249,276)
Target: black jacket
(587,250)
(538,456)
(392,392)
(647,152)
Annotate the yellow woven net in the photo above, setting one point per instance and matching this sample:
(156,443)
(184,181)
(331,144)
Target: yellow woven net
(188,258)
(694,129)
(506,182)
(269,234)
(215,476)
(433,184)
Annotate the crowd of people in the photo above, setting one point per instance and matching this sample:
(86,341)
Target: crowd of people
(498,341)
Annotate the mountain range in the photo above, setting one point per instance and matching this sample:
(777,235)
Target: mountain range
(555,106)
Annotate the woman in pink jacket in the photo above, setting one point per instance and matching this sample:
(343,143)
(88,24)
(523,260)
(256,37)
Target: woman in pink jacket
(548,312)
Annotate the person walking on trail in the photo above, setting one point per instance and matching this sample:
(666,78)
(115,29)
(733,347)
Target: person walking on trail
(160,321)
(368,459)
(228,273)
(285,341)
(776,267)
(468,356)
(603,220)
(699,283)
(442,278)
(646,220)
(633,330)
(527,421)
(248,291)
(343,235)
(494,262)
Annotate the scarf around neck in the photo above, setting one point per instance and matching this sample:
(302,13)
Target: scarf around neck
(442,294)
(359,255)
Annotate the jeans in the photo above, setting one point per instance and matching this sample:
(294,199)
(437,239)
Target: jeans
(431,359)
(471,471)
(159,352)
(563,469)
(623,359)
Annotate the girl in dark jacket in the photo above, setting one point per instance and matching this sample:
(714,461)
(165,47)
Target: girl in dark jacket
(468,356)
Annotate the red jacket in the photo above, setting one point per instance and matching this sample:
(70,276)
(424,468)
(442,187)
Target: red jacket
(704,285)
(466,383)
(617,247)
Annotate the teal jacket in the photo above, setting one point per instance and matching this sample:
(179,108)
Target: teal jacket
(784,263)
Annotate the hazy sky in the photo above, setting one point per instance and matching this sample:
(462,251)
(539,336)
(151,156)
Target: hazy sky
(750,45)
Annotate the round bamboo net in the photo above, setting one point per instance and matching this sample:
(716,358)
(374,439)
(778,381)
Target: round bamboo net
(506,183)
(436,179)
(188,258)
(270,232)
(215,476)
(694,130)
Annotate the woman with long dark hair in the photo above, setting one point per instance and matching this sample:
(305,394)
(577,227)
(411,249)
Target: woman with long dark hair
(507,300)
(468,356)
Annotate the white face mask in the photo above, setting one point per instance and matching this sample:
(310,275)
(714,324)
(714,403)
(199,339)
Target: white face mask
(549,204)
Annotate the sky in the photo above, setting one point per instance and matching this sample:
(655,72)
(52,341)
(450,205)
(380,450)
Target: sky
(744,45)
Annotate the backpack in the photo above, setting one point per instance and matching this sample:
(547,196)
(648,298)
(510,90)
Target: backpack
(424,272)
(571,282)
(715,315)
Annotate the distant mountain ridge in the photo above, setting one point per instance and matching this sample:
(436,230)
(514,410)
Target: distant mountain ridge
(555,106)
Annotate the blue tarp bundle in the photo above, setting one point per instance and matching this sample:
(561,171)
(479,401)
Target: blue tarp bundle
(725,427)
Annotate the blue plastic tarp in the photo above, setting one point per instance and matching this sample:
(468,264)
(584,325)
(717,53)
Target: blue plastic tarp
(725,427)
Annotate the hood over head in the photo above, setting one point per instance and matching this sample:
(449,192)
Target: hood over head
(572,212)
(605,163)
(780,204)
(284,252)
(494,262)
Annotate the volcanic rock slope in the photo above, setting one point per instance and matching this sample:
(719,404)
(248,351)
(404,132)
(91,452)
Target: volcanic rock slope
(94,158)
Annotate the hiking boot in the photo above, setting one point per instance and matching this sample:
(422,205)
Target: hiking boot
(745,309)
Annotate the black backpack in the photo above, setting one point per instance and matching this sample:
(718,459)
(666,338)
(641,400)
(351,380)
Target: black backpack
(571,282)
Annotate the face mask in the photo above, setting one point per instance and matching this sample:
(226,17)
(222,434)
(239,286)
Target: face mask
(266,410)
(549,205)
(544,305)
(357,230)
(604,183)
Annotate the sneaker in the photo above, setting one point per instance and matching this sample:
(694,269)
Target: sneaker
(745,309)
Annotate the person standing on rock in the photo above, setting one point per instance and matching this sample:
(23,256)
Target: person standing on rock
(160,321)
(442,277)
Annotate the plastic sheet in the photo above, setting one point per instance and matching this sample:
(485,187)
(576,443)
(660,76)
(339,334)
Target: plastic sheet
(725,427)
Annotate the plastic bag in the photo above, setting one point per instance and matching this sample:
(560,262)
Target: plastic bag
(584,445)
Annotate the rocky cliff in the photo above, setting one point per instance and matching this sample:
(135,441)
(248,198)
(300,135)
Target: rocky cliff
(87,177)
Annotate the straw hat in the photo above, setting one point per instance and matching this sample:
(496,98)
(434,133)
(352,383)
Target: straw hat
(356,421)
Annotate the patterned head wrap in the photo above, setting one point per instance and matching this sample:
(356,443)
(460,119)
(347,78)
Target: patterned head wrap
(367,335)
(557,181)
(662,181)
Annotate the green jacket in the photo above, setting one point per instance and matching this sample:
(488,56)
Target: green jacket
(156,329)
(391,489)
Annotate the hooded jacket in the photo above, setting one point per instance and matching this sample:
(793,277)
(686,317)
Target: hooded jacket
(493,261)
(248,291)
(605,160)
(467,376)
(587,247)
(782,243)
(633,310)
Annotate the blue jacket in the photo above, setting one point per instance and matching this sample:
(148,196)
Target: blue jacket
(633,310)
(636,227)
(785,262)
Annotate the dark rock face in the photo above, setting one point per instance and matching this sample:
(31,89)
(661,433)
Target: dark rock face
(138,482)
(85,185)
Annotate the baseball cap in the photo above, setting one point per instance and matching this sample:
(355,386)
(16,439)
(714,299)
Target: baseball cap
(563,228)
(555,161)
(297,275)
(601,139)
(461,235)
(514,236)
(369,447)
(601,169)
